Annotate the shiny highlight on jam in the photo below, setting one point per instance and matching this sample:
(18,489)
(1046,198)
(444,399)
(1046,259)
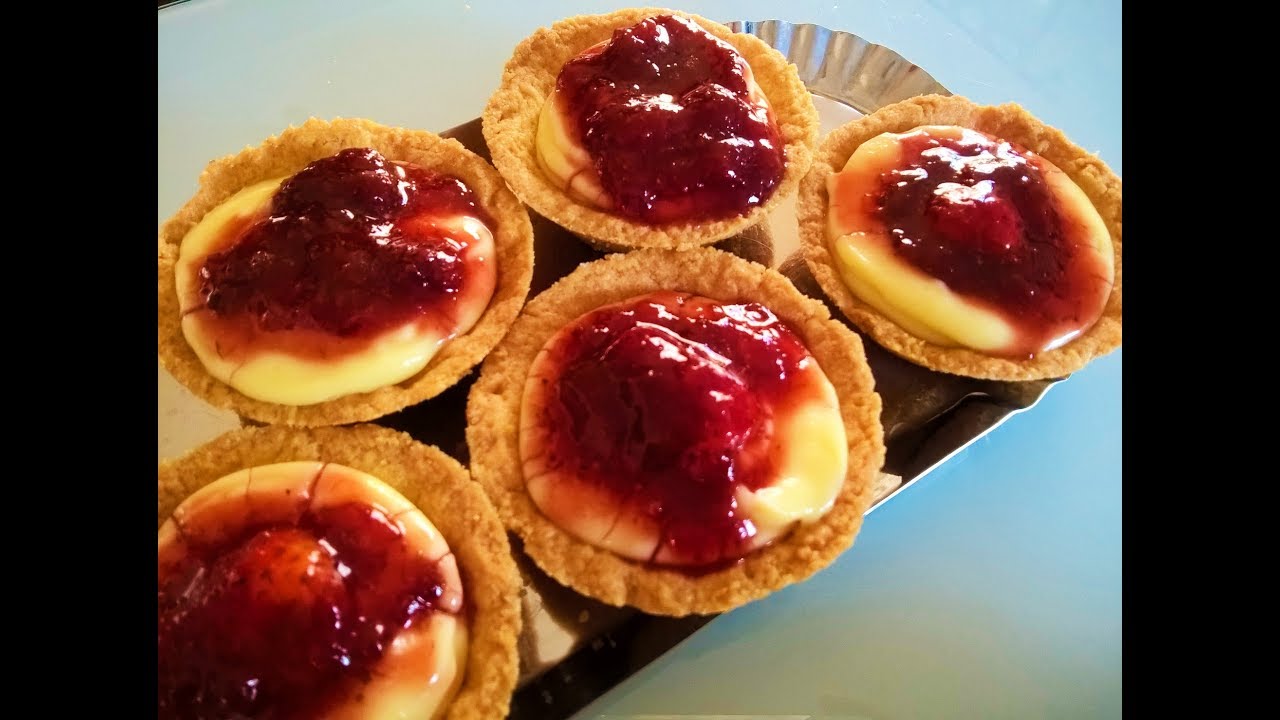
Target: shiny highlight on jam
(285,620)
(352,246)
(667,404)
(977,213)
(666,112)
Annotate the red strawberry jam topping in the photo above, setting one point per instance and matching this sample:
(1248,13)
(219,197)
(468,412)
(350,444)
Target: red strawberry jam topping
(665,111)
(285,620)
(977,213)
(351,247)
(667,402)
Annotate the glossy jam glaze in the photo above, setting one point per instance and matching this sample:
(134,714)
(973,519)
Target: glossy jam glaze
(352,245)
(281,609)
(668,115)
(977,213)
(666,404)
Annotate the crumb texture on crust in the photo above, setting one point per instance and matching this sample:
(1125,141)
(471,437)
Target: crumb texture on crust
(431,480)
(493,414)
(510,123)
(1010,122)
(286,154)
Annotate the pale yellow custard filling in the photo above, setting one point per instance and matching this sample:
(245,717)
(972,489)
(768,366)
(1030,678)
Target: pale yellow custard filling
(422,667)
(566,163)
(921,304)
(277,376)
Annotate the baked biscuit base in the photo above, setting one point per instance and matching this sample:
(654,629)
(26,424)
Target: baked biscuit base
(1009,122)
(493,415)
(286,154)
(511,122)
(431,480)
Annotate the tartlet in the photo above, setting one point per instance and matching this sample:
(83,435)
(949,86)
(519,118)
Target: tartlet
(1008,122)
(494,430)
(287,154)
(511,120)
(434,483)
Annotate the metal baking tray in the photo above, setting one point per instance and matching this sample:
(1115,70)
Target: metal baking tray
(574,649)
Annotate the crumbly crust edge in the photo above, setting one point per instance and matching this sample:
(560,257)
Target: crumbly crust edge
(1011,122)
(286,154)
(431,480)
(510,123)
(493,412)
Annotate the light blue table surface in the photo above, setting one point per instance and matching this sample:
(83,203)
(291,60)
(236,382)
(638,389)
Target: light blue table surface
(991,588)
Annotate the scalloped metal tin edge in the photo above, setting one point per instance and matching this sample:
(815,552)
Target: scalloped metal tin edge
(842,66)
